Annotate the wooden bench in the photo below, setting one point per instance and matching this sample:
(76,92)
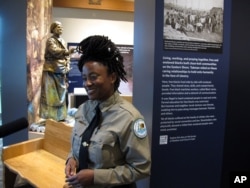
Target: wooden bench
(41,161)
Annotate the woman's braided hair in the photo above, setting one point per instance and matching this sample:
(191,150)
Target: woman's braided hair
(103,50)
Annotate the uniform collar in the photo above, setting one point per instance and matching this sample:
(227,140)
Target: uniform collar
(105,105)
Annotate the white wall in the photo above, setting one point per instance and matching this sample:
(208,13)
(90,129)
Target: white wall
(81,23)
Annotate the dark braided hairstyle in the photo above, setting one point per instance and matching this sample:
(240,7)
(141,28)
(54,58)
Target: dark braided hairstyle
(103,50)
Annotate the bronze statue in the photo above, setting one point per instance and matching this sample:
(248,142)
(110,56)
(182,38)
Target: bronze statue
(54,78)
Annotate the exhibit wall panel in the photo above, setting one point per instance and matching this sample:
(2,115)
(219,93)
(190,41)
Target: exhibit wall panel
(191,70)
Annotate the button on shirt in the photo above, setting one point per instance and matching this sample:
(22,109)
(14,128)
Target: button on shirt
(116,154)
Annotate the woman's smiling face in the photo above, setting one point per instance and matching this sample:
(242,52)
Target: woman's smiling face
(97,82)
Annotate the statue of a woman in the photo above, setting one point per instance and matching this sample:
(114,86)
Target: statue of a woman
(54,78)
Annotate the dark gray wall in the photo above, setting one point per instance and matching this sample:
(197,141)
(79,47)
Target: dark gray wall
(143,70)
(237,134)
(13,65)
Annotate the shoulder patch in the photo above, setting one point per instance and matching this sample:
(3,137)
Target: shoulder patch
(140,129)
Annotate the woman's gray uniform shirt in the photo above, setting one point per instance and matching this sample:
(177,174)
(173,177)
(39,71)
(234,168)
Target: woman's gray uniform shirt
(119,151)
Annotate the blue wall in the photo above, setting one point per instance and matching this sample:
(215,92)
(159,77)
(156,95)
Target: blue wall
(236,150)
(143,70)
(13,65)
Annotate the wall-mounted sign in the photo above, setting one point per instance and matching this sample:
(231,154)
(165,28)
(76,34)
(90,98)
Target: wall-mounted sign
(95,2)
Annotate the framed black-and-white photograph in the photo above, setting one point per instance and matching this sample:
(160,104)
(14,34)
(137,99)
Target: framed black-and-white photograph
(193,25)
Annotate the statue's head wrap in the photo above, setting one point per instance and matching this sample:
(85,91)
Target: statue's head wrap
(54,25)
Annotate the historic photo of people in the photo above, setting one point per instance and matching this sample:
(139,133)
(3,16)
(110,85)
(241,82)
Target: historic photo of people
(198,24)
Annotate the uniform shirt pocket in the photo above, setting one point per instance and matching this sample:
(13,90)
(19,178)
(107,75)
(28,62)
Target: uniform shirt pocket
(103,150)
